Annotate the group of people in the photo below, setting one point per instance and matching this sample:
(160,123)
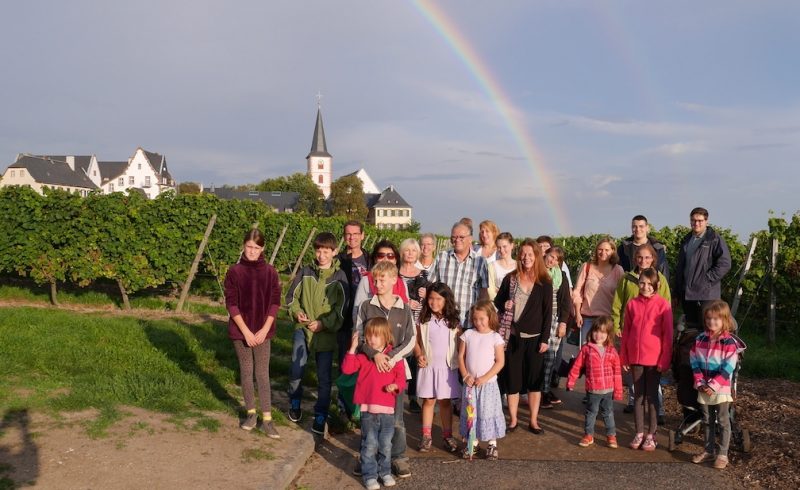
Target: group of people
(474,328)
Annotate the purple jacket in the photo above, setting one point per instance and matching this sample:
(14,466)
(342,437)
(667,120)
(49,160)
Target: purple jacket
(253,290)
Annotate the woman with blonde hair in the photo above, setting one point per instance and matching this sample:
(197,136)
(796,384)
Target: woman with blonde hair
(597,282)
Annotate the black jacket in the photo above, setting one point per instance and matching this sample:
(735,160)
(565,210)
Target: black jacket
(346,265)
(537,315)
(626,251)
(707,266)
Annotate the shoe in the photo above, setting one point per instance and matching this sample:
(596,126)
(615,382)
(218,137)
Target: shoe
(637,441)
(554,399)
(491,452)
(295,414)
(465,454)
(318,427)
(612,442)
(721,462)
(388,481)
(511,428)
(702,457)
(660,420)
(628,409)
(450,444)
(587,441)
(546,403)
(401,468)
(425,444)
(269,429)
(649,443)
(414,407)
(250,422)
(372,485)
(357,467)
(536,431)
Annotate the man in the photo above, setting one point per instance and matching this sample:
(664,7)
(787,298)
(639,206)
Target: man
(640,234)
(463,270)
(355,263)
(703,261)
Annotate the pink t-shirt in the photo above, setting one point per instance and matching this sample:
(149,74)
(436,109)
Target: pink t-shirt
(480,351)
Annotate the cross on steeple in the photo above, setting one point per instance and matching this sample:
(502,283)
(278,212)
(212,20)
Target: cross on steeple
(319,99)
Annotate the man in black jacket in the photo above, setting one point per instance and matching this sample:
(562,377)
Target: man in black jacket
(355,263)
(626,251)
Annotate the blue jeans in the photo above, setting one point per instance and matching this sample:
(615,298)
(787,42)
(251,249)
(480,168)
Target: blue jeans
(377,430)
(587,325)
(324,362)
(605,404)
(399,437)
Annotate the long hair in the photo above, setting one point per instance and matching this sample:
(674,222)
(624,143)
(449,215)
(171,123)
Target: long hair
(488,308)
(255,235)
(450,312)
(720,309)
(652,274)
(538,273)
(379,326)
(603,323)
(613,259)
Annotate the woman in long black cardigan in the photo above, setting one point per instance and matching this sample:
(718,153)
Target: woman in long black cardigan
(528,294)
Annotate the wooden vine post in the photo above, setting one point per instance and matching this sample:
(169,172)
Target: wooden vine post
(277,245)
(302,254)
(738,296)
(773,274)
(195,263)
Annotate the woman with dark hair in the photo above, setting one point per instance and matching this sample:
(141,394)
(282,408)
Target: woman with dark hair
(252,298)
(384,250)
(525,303)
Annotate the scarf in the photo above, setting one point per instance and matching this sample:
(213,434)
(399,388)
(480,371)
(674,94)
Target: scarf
(508,315)
(555,275)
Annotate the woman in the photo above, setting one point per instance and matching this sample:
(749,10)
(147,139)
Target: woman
(415,280)
(597,282)
(504,264)
(487,234)
(562,304)
(427,255)
(252,297)
(526,296)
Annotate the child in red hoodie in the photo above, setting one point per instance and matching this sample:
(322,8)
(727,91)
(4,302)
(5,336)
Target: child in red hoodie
(603,369)
(376,392)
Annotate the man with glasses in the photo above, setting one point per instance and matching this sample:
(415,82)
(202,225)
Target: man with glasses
(463,270)
(703,261)
(355,263)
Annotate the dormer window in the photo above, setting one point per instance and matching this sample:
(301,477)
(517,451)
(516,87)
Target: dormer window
(139,166)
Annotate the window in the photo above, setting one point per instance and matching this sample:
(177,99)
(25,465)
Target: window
(12,173)
(392,212)
(121,181)
(320,179)
(21,173)
(110,187)
(130,180)
(140,166)
(320,165)
(164,180)
(147,181)
(94,173)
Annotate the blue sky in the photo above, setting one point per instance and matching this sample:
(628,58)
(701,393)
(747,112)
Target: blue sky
(635,107)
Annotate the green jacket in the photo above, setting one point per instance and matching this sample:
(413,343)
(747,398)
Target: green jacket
(322,295)
(627,289)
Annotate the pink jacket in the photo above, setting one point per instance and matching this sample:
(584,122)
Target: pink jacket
(603,371)
(371,384)
(647,333)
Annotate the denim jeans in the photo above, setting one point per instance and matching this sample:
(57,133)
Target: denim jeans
(605,404)
(585,328)
(399,437)
(713,414)
(377,430)
(324,362)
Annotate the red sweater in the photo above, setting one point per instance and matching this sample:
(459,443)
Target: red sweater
(371,384)
(647,333)
(253,290)
(603,371)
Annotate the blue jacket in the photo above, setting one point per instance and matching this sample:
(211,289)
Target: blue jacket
(707,266)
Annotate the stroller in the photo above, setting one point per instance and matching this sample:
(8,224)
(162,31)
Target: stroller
(687,395)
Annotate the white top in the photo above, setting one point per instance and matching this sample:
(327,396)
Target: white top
(479,357)
(488,259)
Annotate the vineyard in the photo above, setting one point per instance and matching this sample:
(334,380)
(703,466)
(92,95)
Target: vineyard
(141,244)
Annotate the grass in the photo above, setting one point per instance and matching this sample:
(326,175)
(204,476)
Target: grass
(781,360)
(255,454)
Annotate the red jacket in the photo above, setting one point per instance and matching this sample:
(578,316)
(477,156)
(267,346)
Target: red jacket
(647,333)
(371,384)
(603,371)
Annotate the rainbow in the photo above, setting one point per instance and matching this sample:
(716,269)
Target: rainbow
(479,69)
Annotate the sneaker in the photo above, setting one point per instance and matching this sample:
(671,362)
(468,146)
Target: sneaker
(612,442)
(372,484)
(721,462)
(425,444)
(628,408)
(491,452)
(388,481)
(269,429)
(450,444)
(414,407)
(554,399)
(401,468)
(649,443)
(295,414)
(546,403)
(250,422)
(587,441)
(318,427)
(637,441)
(702,457)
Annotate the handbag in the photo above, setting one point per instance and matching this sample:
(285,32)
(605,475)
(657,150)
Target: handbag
(572,321)
(508,315)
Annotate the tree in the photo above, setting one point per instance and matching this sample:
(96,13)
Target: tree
(347,197)
(311,199)
(189,188)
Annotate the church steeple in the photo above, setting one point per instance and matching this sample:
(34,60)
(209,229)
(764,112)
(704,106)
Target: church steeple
(320,162)
(318,146)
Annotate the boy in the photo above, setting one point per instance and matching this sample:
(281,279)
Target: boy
(387,305)
(316,300)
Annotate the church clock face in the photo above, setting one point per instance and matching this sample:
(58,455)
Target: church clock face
(320,164)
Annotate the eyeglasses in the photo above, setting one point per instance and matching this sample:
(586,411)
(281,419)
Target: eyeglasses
(383,255)
(696,220)
(458,237)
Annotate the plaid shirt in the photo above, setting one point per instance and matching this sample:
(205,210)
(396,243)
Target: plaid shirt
(466,279)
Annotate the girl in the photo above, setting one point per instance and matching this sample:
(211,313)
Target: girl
(252,298)
(603,379)
(562,303)
(415,280)
(480,358)
(376,392)
(597,281)
(646,350)
(487,234)
(437,358)
(504,264)
(713,360)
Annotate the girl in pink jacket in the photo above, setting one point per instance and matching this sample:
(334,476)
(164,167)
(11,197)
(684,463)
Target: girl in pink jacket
(646,350)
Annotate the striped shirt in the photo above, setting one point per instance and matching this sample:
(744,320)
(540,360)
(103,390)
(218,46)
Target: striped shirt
(466,279)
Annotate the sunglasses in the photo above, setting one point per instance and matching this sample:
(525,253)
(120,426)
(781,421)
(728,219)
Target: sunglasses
(383,255)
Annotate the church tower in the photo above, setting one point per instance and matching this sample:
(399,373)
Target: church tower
(320,162)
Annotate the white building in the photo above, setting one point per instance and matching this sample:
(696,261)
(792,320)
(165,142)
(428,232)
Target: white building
(320,162)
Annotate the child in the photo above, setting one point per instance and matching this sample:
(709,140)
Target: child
(376,391)
(601,362)
(646,350)
(713,360)
(480,358)
(437,358)
(385,304)
(316,300)
(562,303)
